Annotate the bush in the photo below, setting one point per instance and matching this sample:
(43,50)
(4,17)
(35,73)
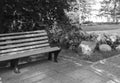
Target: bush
(66,36)
(104,38)
(27,15)
(87,22)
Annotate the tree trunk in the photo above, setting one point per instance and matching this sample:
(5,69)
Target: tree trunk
(1,16)
(114,12)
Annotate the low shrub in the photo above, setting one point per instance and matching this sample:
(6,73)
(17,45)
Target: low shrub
(66,36)
(69,37)
(112,40)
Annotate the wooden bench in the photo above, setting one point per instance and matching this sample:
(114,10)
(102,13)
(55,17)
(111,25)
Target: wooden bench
(14,46)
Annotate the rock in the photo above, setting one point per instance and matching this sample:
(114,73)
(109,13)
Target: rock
(104,47)
(113,38)
(118,48)
(87,47)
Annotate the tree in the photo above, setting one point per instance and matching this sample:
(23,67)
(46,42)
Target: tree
(79,10)
(25,15)
(116,10)
(111,8)
(84,9)
(2,29)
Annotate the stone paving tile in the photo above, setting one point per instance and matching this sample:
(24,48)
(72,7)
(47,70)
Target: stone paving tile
(34,79)
(62,78)
(115,60)
(67,68)
(76,60)
(80,74)
(42,76)
(25,72)
(31,69)
(86,76)
(93,79)
(108,67)
(48,80)
(36,71)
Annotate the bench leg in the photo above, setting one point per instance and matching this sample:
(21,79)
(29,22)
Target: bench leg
(56,53)
(14,64)
(50,56)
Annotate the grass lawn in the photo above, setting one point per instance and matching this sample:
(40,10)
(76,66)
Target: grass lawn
(101,27)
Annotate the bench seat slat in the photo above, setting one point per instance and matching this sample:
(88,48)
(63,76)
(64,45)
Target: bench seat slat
(24,48)
(24,40)
(23,36)
(28,53)
(20,33)
(23,44)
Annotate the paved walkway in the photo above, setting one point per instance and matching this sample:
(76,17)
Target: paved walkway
(109,68)
(68,70)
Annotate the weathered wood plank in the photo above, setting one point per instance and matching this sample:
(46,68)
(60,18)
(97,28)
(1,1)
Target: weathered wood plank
(20,33)
(27,53)
(13,46)
(22,36)
(24,48)
(24,40)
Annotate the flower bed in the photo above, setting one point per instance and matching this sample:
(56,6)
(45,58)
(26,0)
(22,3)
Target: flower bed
(111,39)
(90,46)
(98,55)
(107,45)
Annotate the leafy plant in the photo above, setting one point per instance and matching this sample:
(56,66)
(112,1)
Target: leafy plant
(66,35)
(27,15)
(104,38)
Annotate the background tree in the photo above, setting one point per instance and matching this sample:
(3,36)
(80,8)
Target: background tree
(79,10)
(84,9)
(116,10)
(110,8)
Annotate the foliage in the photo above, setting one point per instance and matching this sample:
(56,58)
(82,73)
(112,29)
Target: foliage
(66,36)
(111,39)
(25,15)
(79,10)
(87,22)
(110,8)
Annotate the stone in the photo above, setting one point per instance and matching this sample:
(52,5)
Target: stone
(104,47)
(87,47)
(118,48)
(113,38)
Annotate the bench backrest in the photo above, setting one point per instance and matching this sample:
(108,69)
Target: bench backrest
(21,41)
